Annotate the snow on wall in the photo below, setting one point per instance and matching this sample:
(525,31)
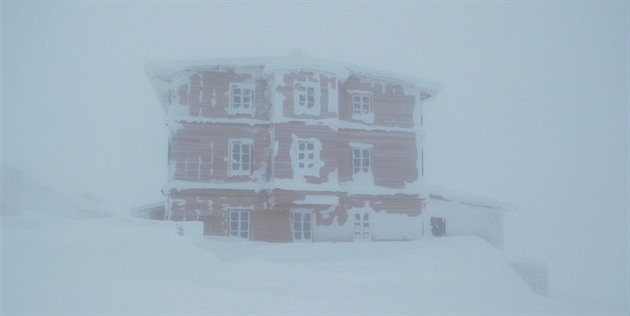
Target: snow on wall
(466,220)
(388,226)
(382,226)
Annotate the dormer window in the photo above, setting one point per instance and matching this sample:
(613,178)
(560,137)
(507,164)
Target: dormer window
(362,108)
(306,98)
(241,99)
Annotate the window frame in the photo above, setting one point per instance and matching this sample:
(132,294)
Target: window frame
(365,108)
(239,231)
(306,157)
(298,221)
(233,109)
(302,106)
(363,167)
(231,160)
(362,226)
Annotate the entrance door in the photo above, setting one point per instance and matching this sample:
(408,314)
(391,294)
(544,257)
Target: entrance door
(302,226)
(362,230)
(239,224)
(438,226)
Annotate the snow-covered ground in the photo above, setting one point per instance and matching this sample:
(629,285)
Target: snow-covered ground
(52,265)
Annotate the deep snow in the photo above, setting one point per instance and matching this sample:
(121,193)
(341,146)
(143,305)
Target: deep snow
(66,266)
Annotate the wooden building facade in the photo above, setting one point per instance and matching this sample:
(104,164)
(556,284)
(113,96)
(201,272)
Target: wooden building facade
(294,149)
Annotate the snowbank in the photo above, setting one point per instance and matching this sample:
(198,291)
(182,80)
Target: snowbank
(116,266)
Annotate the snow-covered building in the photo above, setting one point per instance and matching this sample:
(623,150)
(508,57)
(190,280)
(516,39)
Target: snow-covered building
(299,149)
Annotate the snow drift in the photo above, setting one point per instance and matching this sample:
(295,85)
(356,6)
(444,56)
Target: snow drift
(132,266)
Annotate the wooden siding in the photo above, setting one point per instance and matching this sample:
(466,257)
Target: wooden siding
(199,154)
(283,168)
(272,225)
(210,141)
(286,88)
(207,92)
(392,107)
(211,206)
(397,204)
(393,156)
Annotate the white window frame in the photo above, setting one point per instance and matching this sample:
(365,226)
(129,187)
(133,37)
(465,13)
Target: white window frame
(361,164)
(306,158)
(303,91)
(240,160)
(239,223)
(362,226)
(237,102)
(362,107)
(363,172)
(298,225)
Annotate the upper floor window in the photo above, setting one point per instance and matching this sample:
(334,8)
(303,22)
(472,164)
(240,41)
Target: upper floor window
(362,107)
(306,98)
(241,99)
(306,160)
(240,163)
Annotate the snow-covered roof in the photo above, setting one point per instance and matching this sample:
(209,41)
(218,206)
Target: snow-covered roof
(439,193)
(164,70)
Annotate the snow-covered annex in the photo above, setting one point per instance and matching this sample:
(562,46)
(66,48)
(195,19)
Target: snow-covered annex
(299,149)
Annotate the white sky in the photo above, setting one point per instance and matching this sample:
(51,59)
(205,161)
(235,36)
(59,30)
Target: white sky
(534,109)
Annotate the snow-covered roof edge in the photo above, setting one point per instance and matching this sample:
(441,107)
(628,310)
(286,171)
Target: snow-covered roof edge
(164,70)
(437,192)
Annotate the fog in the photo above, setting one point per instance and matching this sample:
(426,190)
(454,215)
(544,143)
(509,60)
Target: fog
(534,109)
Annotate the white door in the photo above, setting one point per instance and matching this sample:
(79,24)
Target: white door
(239,224)
(302,226)
(361,229)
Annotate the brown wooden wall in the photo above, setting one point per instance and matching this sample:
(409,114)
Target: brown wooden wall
(394,156)
(395,204)
(209,84)
(286,87)
(211,141)
(271,225)
(391,106)
(284,136)
(211,205)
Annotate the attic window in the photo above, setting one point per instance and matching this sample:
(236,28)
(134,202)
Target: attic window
(241,99)
(361,105)
(362,108)
(306,98)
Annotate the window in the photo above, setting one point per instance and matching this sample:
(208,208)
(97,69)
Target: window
(360,160)
(239,223)
(306,156)
(361,230)
(240,162)
(306,98)
(242,99)
(302,226)
(362,107)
